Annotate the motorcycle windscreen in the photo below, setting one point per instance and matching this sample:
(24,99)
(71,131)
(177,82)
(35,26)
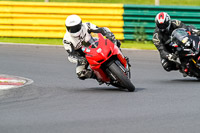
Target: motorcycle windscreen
(179,36)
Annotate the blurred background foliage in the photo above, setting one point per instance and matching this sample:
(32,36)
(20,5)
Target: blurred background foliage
(139,43)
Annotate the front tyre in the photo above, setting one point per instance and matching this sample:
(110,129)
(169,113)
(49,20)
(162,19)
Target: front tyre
(121,77)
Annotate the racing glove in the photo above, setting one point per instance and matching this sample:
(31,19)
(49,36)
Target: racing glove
(110,36)
(171,57)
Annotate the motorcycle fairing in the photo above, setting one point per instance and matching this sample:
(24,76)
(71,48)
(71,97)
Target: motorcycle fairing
(96,56)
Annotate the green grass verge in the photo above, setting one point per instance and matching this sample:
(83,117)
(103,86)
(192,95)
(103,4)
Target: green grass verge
(32,40)
(126,44)
(140,2)
(139,45)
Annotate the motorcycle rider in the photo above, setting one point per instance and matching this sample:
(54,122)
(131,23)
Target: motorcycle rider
(78,35)
(161,39)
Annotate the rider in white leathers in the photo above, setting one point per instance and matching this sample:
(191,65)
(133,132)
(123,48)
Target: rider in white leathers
(77,35)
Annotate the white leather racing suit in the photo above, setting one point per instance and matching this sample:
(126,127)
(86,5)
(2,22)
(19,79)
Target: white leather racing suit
(73,46)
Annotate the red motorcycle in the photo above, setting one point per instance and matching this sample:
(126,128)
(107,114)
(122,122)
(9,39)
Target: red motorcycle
(108,63)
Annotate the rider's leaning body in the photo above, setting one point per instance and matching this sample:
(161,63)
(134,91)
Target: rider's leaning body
(78,35)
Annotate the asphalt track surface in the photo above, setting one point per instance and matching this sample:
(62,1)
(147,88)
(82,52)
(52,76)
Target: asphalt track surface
(57,102)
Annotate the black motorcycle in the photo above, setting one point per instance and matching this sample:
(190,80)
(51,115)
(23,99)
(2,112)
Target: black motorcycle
(186,46)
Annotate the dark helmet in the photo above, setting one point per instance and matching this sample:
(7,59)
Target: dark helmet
(163,21)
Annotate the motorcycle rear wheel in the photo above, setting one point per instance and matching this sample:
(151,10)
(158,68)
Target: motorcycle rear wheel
(121,77)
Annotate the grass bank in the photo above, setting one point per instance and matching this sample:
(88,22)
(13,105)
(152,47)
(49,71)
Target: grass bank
(126,44)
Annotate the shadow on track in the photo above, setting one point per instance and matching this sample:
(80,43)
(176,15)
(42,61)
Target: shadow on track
(105,89)
(186,80)
(182,81)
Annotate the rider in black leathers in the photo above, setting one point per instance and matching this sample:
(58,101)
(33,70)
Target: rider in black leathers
(161,39)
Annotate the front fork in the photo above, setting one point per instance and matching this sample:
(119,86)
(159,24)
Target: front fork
(121,66)
(125,70)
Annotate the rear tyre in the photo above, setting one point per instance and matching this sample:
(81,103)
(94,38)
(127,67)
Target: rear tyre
(121,77)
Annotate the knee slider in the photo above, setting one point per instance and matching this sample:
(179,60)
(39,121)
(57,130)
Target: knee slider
(81,75)
(85,74)
(166,65)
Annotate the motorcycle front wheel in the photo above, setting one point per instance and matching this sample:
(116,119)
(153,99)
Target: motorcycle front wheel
(121,77)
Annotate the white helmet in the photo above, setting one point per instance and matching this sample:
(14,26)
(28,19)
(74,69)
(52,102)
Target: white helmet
(73,24)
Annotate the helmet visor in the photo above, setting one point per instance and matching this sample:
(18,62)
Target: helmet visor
(163,25)
(74,29)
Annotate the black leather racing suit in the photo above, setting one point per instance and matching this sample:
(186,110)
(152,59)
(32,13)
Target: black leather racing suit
(161,41)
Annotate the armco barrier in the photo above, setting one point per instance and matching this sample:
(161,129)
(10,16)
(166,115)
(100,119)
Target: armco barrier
(39,19)
(140,18)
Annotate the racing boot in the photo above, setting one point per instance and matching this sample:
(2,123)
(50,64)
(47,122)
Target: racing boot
(84,74)
(93,76)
